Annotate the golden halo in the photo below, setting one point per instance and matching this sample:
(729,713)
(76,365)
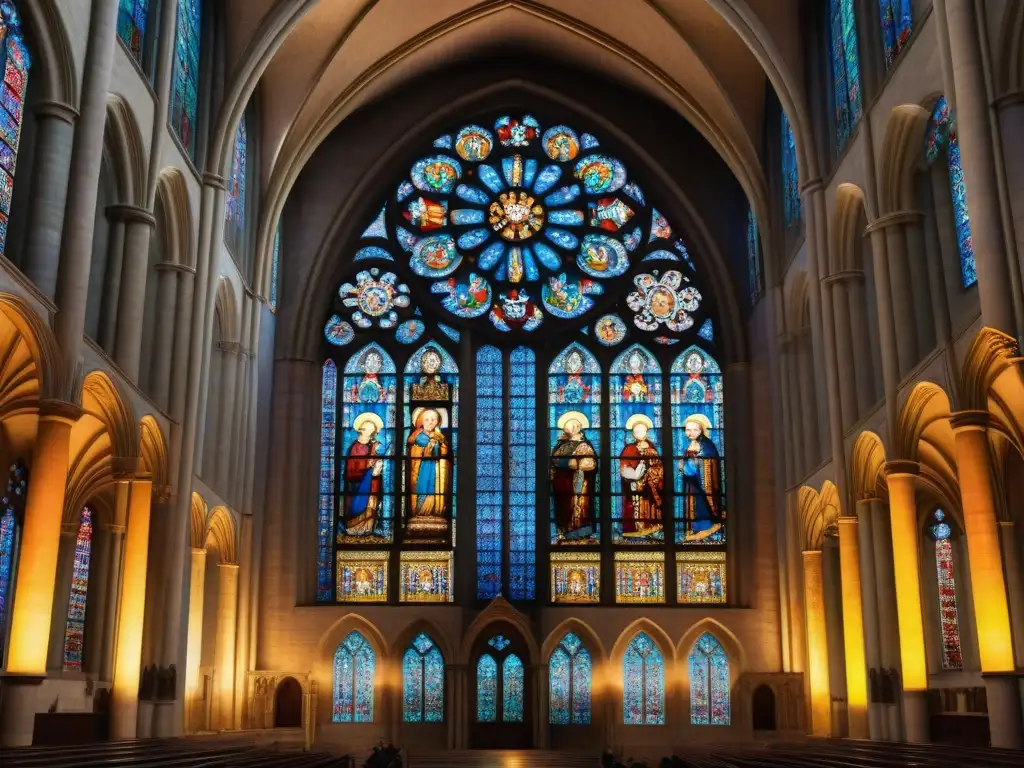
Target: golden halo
(373,418)
(639,418)
(570,416)
(442,416)
(702,420)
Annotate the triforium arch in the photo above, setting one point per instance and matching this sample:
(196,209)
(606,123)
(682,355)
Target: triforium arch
(33,368)
(902,158)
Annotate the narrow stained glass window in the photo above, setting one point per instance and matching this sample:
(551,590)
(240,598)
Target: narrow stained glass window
(941,135)
(486,689)
(512,689)
(274,267)
(755,280)
(12,503)
(354,667)
(131,24)
(643,683)
(709,682)
(490,415)
(15,62)
(949,622)
(522,474)
(569,687)
(897,24)
(325,516)
(845,69)
(74,635)
(185,80)
(790,180)
(234,200)
(423,682)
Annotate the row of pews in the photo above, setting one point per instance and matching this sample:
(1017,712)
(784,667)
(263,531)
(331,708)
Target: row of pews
(169,753)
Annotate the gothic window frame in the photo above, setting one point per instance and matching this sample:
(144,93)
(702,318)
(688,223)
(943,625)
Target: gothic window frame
(132,27)
(360,706)
(645,648)
(185,75)
(15,61)
(792,205)
(707,650)
(235,197)
(844,65)
(507,662)
(755,264)
(572,658)
(415,671)
(74,633)
(943,562)
(897,26)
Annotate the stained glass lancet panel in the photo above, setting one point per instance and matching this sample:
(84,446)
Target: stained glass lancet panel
(574,428)
(638,470)
(131,24)
(643,683)
(512,675)
(431,389)
(941,135)
(423,682)
(698,439)
(522,474)
(185,82)
(367,440)
(15,60)
(11,504)
(274,267)
(845,69)
(755,279)
(569,675)
(74,635)
(355,664)
(709,682)
(325,513)
(486,689)
(897,25)
(234,199)
(790,180)
(490,450)
(949,622)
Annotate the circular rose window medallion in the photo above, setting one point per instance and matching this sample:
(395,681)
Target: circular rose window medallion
(516,216)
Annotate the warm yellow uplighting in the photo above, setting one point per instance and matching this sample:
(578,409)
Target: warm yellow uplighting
(224,651)
(817,645)
(197,583)
(853,628)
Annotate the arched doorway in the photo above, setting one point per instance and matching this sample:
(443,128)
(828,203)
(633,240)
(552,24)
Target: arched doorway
(501,715)
(288,704)
(764,708)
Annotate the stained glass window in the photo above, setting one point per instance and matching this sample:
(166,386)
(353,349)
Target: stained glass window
(791,204)
(15,60)
(522,474)
(897,25)
(490,465)
(234,199)
(486,689)
(512,689)
(362,577)
(274,267)
(941,135)
(949,622)
(700,577)
(426,577)
(185,80)
(643,683)
(709,682)
(131,24)
(325,515)
(500,684)
(12,503)
(575,577)
(74,635)
(755,280)
(423,682)
(639,577)
(354,666)
(569,671)
(845,68)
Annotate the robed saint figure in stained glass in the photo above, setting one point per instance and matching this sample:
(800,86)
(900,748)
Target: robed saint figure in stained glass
(364,471)
(573,469)
(428,473)
(702,482)
(643,480)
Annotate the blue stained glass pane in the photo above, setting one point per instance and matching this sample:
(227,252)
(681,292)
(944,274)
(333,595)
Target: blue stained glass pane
(185,81)
(325,515)
(643,683)
(547,178)
(473,238)
(567,218)
(559,687)
(472,194)
(372,252)
(512,689)
(561,238)
(423,682)
(588,141)
(522,471)
(490,178)
(274,267)
(450,332)
(13,500)
(754,279)
(563,195)
(569,671)
(74,634)
(486,689)
(709,683)
(631,189)
(404,190)
(14,64)
(845,69)
(490,398)
(897,25)
(234,199)
(131,24)
(707,330)
(354,668)
(464,216)
(377,227)
(790,181)
(443,142)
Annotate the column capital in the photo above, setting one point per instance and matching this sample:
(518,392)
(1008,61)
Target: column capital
(902,467)
(966,420)
(811,185)
(59,410)
(124,468)
(228,565)
(56,109)
(214,180)
(174,266)
(846,520)
(130,214)
(112,528)
(162,494)
(846,276)
(868,498)
(894,219)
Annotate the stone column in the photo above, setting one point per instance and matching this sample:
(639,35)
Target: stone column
(1010,108)
(809,403)
(163,343)
(224,652)
(869,597)
(902,479)
(902,298)
(122,501)
(55,131)
(845,359)
(817,645)
(131,303)
(111,279)
(194,650)
(61,596)
(222,447)
(182,335)
(1014,587)
(83,182)
(853,628)
(862,363)
(99,568)
(886,323)
(124,707)
(974,134)
(936,279)
(888,623)
(988,586)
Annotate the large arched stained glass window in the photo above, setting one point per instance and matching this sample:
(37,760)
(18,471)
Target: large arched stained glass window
(709,682)
(845,69)
(791,205)
(569,671)
(131,24)
(423,682)
(949,621)
(941,139)
(15,60)
(11,506)
(643,683)
(325,515)
(355,664)
(486,689)
(185,80)
(897,25)
(74,635)
(500,684)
